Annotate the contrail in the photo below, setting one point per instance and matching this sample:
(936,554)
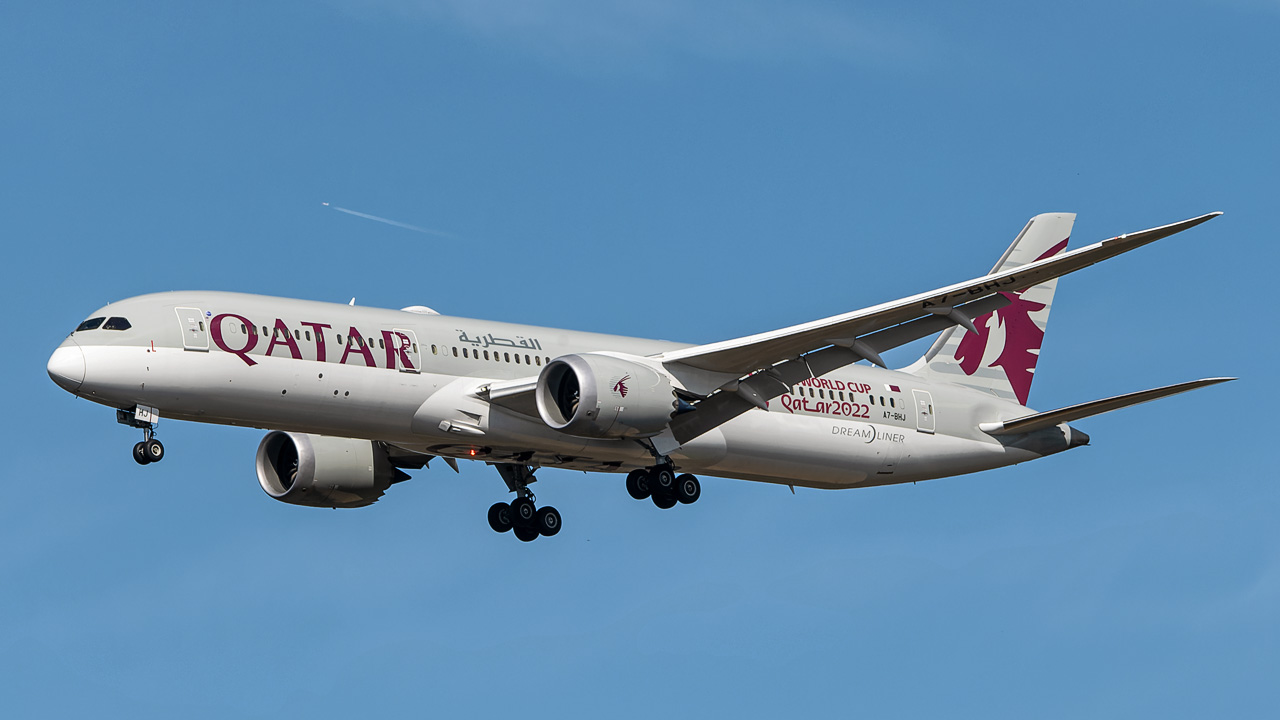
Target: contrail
(375,218)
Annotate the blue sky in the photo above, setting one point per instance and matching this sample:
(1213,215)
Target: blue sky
(691,171)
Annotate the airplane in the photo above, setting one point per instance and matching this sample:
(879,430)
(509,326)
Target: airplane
(352,397)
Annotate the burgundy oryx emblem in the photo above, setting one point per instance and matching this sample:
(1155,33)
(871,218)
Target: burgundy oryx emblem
(620,387)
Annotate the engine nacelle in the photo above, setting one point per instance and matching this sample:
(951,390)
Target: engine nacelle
(323,471)
(601,396)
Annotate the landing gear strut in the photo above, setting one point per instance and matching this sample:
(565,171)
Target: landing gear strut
(521,515)
(150,450)
(661,484)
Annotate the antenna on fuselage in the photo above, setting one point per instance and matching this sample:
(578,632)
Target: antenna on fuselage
(352,303)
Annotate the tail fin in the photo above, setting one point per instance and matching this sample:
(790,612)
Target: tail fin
(1001,357)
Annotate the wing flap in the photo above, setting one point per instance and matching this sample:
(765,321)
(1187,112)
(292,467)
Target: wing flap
(1038,421)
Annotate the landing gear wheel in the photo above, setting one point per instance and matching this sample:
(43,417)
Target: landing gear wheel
(638,484)
(666,502)
(500,517)
(661,480)
(547,521)
(526,534)
(154,450)
(688,489)
(522,512)
(140,453)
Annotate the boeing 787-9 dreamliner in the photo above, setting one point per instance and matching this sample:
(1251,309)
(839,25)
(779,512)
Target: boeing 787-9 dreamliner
(352,396)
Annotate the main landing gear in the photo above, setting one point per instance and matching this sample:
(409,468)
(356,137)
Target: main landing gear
(521,515)
(661,483)
(150,450)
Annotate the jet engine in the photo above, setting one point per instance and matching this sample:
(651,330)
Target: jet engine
(602,396)
(323,471)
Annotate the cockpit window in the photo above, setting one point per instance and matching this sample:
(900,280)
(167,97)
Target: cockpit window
(117,323)
(90,324)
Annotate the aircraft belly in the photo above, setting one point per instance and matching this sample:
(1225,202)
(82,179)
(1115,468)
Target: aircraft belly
(810,450)
(277,393)
(824,452)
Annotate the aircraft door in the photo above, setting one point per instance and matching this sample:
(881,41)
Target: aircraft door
(195,333)
(924,411)
(409,343)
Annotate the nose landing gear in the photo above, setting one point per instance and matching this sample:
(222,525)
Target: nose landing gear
(150,450)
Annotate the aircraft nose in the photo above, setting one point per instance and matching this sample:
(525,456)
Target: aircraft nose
(66,367)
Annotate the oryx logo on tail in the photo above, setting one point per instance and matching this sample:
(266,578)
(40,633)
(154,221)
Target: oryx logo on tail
(1001,356)
(1020,349)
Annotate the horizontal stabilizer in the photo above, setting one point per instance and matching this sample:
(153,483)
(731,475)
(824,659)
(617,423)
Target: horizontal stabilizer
(1038,421)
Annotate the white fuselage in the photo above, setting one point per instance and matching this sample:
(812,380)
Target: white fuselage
(411,379)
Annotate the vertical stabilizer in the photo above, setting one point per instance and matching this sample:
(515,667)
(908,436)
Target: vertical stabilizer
(1001,357)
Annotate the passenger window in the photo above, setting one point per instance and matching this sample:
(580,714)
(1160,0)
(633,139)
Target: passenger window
(297,334)
(308,334)
(538,360)
(201,326)
(882,400)
(433,350)
(486,354)
(90,324)
(507,356)
(464,353)
(381,344)
(264,331)
(517,358)
(891,403)
(820,395)
(415,348)
(339,339)
(455,352)
(116,323)
(841,396)
(244,329)
(526,360)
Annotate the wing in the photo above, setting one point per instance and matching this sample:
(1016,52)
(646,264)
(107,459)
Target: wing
(761,367)
(730,377)
(745,355)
